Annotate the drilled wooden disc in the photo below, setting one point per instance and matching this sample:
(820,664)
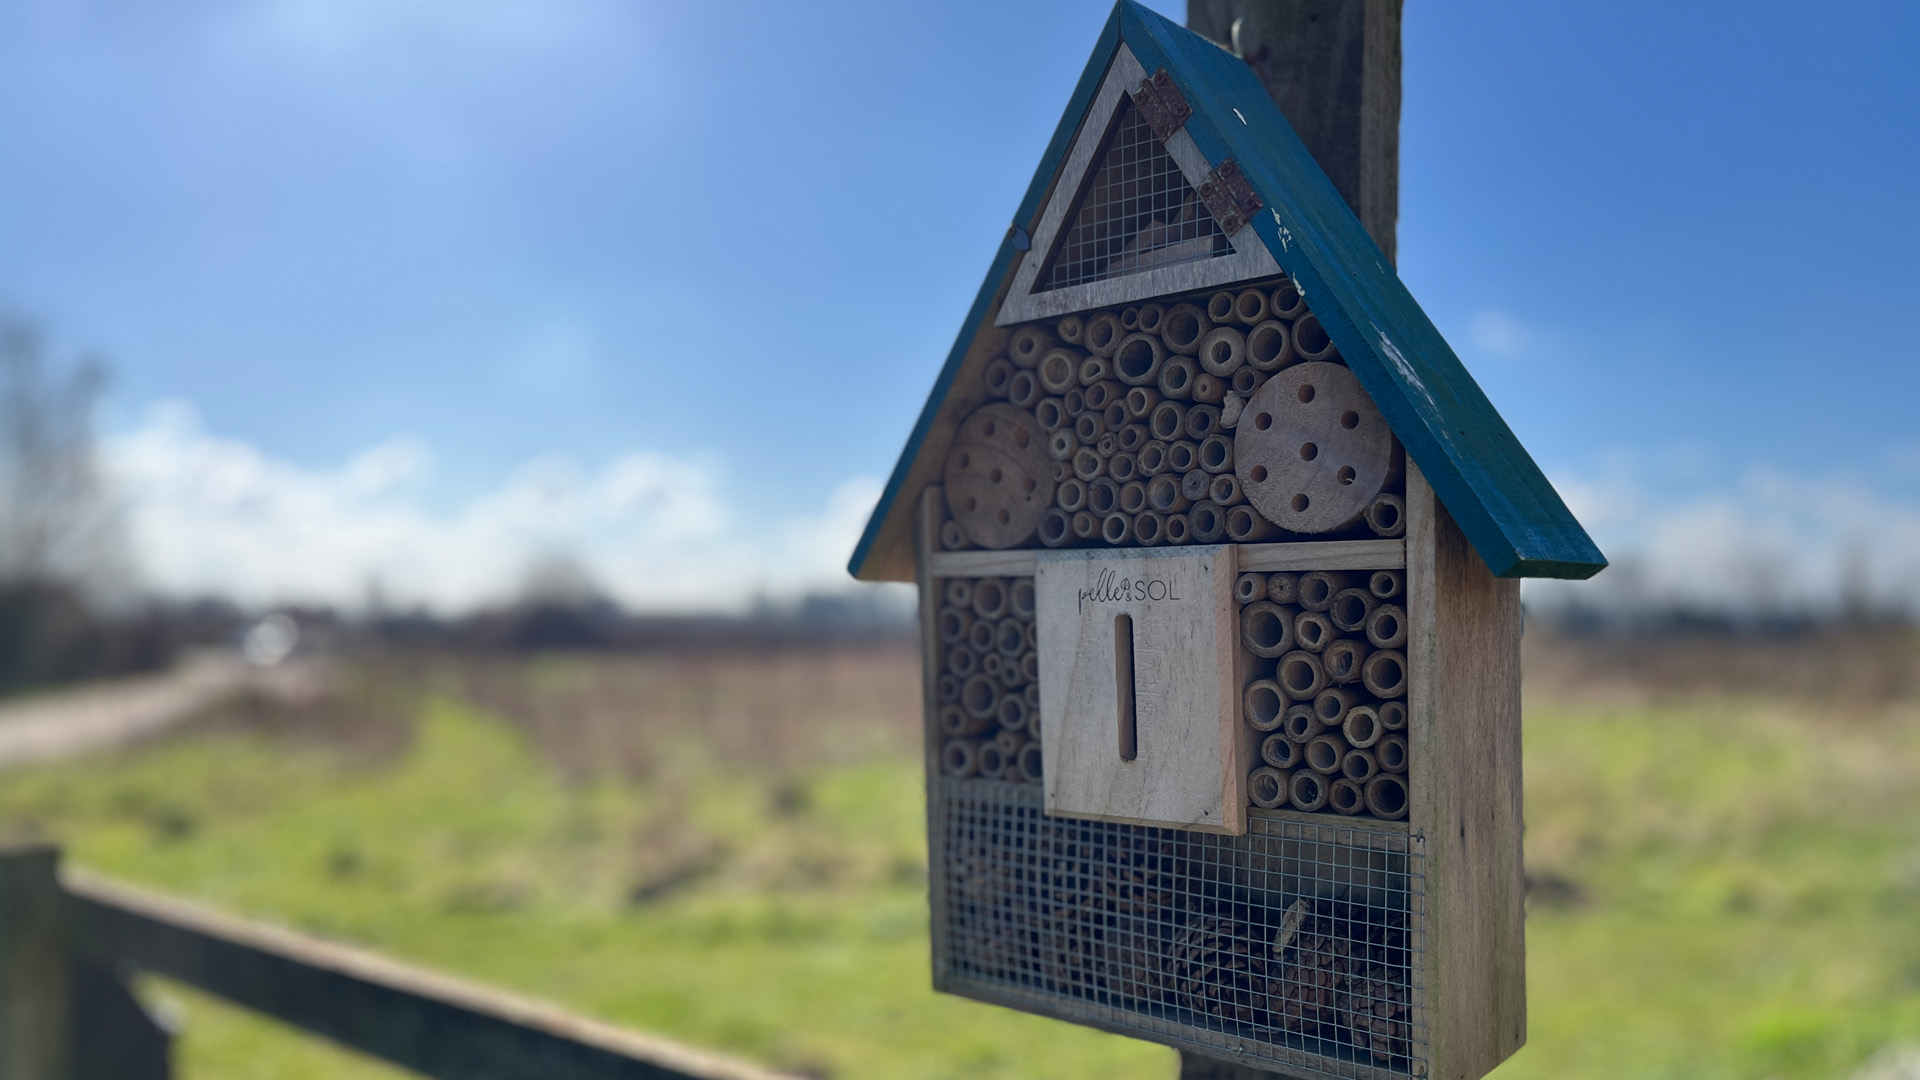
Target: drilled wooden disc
(1311,450)
(999,478)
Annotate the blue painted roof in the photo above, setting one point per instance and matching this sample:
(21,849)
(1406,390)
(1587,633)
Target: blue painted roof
(1485,478)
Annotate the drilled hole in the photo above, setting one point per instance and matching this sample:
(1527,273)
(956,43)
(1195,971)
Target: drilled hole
(1348,419)
(1309,451)
(1345,475)
(1299,504)
(1306,393)
(1259,474)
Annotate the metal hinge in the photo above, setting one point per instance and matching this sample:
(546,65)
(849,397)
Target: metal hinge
(1229,198)
(1161,104)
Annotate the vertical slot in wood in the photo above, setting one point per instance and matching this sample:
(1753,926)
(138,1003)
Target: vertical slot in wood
(1123,685)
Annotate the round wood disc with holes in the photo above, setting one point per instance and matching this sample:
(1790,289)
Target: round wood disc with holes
(1311,450)
(999,478)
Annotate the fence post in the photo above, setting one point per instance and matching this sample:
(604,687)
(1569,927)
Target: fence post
(36,965)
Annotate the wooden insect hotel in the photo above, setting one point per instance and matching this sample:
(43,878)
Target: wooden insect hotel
(1217,545)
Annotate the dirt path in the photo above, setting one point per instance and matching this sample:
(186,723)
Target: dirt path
(100,716)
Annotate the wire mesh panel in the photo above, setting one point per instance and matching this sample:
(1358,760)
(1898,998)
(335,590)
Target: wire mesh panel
(1296,945)
(1138,212)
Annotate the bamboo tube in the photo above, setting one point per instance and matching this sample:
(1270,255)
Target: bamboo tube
(1114,414)
(990,664)
(1151,316)
(1010,636)
(990,598)
(1095,369)
(1116,529)
(1088,465)
(1133,497)
(1123,467)
(1310,339)
(1061,471)
(1387,797)
(960,592)
(980,696)
(1387,584)
(1030,664)
(947,688)
(1266,629)
(1232,406)
(1130,318)
(960,758)
(1283,588)
(1207,522)
(1387,515)
(1027,344)
(1343,659)
(1152,457)
(1103,333)
(1086,525)
(1300,723)
(1141,400)
(980,638)
(1263,705)
(1307,790)
(1070,494)
(1285,301)
(1324,752)
(1102,393)
(1209,389)
(953,537)
(1183,455)
(1024,390)
(1137,361)
(1051,412)
(1056,527)
(992,761)
(1225,490)
(1279,751)
(1012,736)
(1075,398)
(1222,351)
(1108,445)
(1070,329)
(1167,421)
(1021,601)
(1216,454)
(1220,307)
(1183,327)
(952,624)
(1312,631)
(1387,626)
(1362,726)
(1393,715)
(1062,444)
(1332,705)
(1346,797)
(1133,436)
(1269,347)
(1202,421)
(1179,531)
(1103,496)
(1246,381)
(1010,675)
(1317,588)
(958,723)
(998,374)
(1193,485)
(1299,674)
(1033,636)
(1149,529)
(1385,673)
(1267,787)
(1247,587)
(1032,694)
(1244,526)
(1351,608)
(1176,378)
(1059,370)
(1250,307)
(1088,427)
(1032,765)
(1392,753)
(1164,494)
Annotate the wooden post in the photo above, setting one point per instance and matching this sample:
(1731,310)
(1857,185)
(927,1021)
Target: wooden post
(1333,67)
(36,965)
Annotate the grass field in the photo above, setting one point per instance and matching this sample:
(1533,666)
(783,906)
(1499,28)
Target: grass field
(727,848)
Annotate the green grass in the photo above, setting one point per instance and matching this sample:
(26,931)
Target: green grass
(1722,889)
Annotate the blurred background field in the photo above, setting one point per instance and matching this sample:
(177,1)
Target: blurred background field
(724,844)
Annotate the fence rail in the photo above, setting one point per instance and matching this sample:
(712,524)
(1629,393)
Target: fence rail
(54,924)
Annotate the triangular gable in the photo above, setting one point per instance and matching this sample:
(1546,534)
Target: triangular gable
(1126,220)
(1477,467)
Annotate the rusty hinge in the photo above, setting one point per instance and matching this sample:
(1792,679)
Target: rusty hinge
(1229,198)
(1161,104)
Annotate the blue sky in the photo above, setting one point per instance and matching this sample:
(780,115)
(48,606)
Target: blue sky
(413,290)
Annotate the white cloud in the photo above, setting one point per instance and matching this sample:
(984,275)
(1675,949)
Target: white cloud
(1501,334)
(211,515)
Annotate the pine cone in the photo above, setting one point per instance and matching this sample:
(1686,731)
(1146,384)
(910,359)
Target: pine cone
(1218,965)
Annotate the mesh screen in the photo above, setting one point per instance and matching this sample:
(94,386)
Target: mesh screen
(1298,944)
(1138,212)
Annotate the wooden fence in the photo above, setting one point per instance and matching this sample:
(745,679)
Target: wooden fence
(70,940)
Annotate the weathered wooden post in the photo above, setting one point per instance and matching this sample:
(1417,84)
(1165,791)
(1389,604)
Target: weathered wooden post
(36,965)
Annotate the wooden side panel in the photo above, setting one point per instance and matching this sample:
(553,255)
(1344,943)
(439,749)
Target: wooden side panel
(1464,733)
(1188,769)
(929,512)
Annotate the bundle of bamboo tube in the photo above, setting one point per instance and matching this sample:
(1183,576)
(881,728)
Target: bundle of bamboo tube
(1140,408)
(1328,690)
(989,683)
